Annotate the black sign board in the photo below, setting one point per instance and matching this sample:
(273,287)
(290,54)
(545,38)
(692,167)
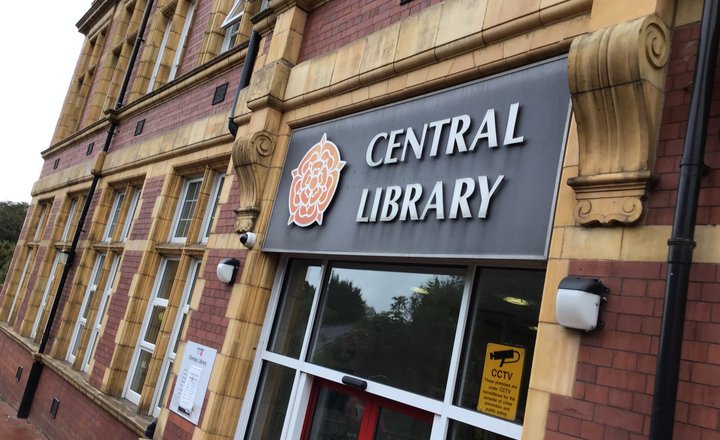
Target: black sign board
(471,171)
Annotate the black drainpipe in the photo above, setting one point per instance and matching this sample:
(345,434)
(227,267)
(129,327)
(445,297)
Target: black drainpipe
(37,366)
(248,65)
(682,243)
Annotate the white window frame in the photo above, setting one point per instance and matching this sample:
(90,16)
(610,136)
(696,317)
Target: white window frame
(181,42)
(231,24)
(444,411)
(142,344)
(170,354)
(46,294)
(41,221)
(114,217)
(20,284)
(161,52)
(178,210)
(97,326)
(81,321)
(210,211)
(127,224)
(69,220)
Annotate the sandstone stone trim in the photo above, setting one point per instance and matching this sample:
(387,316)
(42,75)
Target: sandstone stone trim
(496,36)
(251,160)
(616,78)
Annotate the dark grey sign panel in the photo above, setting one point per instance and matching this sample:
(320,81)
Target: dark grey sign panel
(470,171)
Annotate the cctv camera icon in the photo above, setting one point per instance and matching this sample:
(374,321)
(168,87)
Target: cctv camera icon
(505,356)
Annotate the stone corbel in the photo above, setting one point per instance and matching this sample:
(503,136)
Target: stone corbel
(251,159)
(616,78)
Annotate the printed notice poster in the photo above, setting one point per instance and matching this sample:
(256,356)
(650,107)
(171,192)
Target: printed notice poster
(500,387)
(192,381)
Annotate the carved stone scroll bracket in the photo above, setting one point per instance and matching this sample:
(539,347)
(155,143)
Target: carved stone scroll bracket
(616,77)
(611,198)
(251,159)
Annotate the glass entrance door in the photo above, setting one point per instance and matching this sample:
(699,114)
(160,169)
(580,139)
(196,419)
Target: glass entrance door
(342,413)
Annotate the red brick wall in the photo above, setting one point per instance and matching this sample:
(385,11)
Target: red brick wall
(13,356)
(339,22)
(208,323)
(73,155)
(76,413)
(207,326)
(612,397)
(678,93)
(178,428)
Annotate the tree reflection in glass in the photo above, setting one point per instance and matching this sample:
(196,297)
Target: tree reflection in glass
(390,324)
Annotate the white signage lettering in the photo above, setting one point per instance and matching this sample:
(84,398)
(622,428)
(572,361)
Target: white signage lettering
(415,203)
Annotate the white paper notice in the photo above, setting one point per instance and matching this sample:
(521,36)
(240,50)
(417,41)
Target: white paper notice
(192,382)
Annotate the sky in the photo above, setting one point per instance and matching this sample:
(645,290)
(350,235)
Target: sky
(39,50)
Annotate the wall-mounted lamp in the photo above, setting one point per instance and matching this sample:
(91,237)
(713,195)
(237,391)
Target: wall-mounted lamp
(63,257)
(226,270)
(578,302)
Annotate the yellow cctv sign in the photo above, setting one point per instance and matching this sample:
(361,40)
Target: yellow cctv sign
(500,387)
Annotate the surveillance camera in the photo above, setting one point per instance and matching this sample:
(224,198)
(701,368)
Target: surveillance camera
(248,239)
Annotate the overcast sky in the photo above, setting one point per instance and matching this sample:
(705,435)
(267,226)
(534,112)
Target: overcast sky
(39,51)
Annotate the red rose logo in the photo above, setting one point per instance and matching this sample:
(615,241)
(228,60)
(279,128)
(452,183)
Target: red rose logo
(314,183)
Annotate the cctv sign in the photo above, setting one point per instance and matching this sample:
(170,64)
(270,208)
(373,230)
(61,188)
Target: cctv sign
(501,378)
(470,171)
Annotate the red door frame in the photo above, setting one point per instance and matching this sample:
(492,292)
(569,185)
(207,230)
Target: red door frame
(371,412)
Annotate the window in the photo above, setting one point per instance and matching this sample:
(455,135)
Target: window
(114,217)
(209,218)
(161,53)
(20,285)
(232,25)
(151,329)
(169,52)
(100,315)
(155,322)
(417,334)
(181,44)
(186,209)
(169,359)
(121,215)
(130,215)
(41,221)
(69,219)
(196,208)
(85,307)
(50,285)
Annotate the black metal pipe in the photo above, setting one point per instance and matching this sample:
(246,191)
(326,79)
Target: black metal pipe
(245,75)
(681,243)
(36,370)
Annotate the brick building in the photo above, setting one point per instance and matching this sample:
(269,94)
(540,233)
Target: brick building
(311,219)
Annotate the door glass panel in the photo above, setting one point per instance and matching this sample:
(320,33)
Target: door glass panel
(294,309)
(336,416)
(154,324)
(167,279)
(141,370)
(505,310)
(390,324)
(394,425)
(271,403)
(461,431)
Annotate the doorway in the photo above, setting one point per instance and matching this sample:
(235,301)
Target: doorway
(343,413)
